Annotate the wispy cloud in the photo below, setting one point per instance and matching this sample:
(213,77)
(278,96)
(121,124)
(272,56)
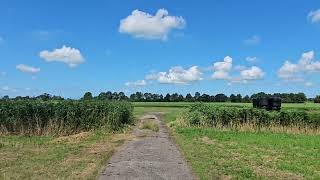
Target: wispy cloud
(27,69)
(254,40)
(314,16)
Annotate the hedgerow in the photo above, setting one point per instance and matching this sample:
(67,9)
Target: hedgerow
(63,117)
(222,116)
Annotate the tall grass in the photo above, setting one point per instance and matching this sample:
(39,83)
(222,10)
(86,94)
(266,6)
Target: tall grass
(239,117)
(63,118)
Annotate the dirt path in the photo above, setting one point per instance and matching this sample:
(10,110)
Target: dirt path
(151,155)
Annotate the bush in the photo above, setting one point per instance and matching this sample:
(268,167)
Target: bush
(63,117)
(317,99)
(224,116)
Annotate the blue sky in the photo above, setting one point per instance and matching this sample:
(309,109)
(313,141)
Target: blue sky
(69,47)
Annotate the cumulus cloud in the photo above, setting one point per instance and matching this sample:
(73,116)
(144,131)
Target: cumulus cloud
(177,75)
(221,69)
(137,83)
(253,40)
(67,55)
(314,16)
(220,75)
(143,25)
(294,71)
(252,73)
(27,69)
(224,70)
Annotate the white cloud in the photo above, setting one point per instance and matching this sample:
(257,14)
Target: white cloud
(5,88)
(67,55)
(293,72)
(137,83)
(221,69)
(252,73)
(314,16)
(253,40)
(308,84)
(220,75)
(288,70)
(251,59)
(177,75)
(143,25)
(27,69)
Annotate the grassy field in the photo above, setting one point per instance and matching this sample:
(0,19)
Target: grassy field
(79,156)
(212,153)
(228,154)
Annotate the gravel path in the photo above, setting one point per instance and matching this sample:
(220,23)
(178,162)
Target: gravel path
(151,155)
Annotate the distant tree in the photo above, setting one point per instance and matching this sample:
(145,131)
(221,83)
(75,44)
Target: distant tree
(56,98)
(246,99)
(44,97)
(174,97)
(109,95)
(221,98)
(167,98)
(260,95)
(197,96)
(6,97)
(238,98)
(205,98)
(233,98)
(122,96)
(87,96)
(180,98)
(189,98)
(102,96)
(317,99)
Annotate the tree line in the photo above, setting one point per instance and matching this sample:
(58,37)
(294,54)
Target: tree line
(197,97)
(175,97)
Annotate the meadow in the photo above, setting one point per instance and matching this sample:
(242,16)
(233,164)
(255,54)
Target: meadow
(60,139)
(230,153)
(81,148)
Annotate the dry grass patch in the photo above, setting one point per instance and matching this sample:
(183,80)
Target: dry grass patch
(149,124)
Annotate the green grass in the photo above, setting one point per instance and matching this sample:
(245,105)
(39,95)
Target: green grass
(241,155)
(227,154)
(78,156)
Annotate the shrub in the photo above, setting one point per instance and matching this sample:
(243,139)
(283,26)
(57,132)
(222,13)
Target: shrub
(224,116)
(63,117)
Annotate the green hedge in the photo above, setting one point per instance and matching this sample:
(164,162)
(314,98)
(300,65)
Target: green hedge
(63,117)
(215,115)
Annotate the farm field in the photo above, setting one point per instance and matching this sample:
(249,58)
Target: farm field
(60,140)
(231,154)
(225,153)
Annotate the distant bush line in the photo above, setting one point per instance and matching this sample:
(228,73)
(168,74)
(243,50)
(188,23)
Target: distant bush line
(62,117)
(175,97)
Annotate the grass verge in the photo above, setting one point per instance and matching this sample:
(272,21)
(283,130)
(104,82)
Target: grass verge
(79,156)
